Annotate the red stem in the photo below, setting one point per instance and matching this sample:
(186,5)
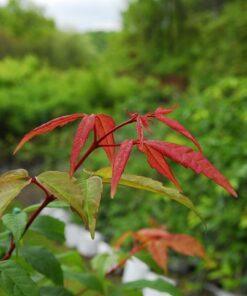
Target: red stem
(29,223)
(95,144)
(116,128)
(49,198)
(88,152)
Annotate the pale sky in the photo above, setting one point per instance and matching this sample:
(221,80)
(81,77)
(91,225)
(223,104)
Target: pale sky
(83,15)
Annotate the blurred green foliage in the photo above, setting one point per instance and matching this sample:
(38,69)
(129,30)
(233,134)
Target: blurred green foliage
(169,51)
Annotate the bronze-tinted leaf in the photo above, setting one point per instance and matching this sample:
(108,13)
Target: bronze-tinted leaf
(11,184)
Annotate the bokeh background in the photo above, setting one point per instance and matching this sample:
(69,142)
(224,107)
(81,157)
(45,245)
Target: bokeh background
(133,56)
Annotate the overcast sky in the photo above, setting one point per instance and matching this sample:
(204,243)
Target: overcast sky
(84,15)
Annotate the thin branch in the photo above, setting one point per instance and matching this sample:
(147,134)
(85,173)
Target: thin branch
(95,144)
(29,223)
(36,182)
(87,153)
(115,129)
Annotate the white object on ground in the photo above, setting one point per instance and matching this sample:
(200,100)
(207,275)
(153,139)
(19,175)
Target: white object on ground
(79,238)
(136,269)
(59,214)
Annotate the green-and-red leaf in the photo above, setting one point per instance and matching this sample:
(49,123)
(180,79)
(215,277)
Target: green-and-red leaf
(119,164)
(175,125)
(48,127)
(85,127)
(103,125)
(156,160)
(194,160)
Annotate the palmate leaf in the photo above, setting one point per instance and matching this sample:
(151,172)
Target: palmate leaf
(103,125)
(48,127)
(85,127)
(11,184)
(15,281)
(157,241)
(181,243)
(148,184)
(194,160)
(83,196)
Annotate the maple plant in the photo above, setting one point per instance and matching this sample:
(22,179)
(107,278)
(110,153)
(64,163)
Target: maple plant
(83,194)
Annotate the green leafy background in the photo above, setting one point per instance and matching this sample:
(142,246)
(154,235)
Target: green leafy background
(196,60)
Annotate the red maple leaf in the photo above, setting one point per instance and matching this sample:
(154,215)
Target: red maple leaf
(85,127)
(194,160)
(157,241)
(48,127)
(119,164)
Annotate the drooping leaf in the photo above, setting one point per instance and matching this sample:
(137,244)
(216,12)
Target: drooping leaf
(156,160)
(48,127)
(54,291)
(175,125)
(82,196)
(194,160)
(85,127)
(16,224)
(148,184)
(11,184)
(92,196)
(44,262)
(15,281)
(49,227)
(159,285)
(65,189)
(119,164)
(103,125)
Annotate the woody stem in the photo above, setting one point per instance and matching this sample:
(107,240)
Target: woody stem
(49,198)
